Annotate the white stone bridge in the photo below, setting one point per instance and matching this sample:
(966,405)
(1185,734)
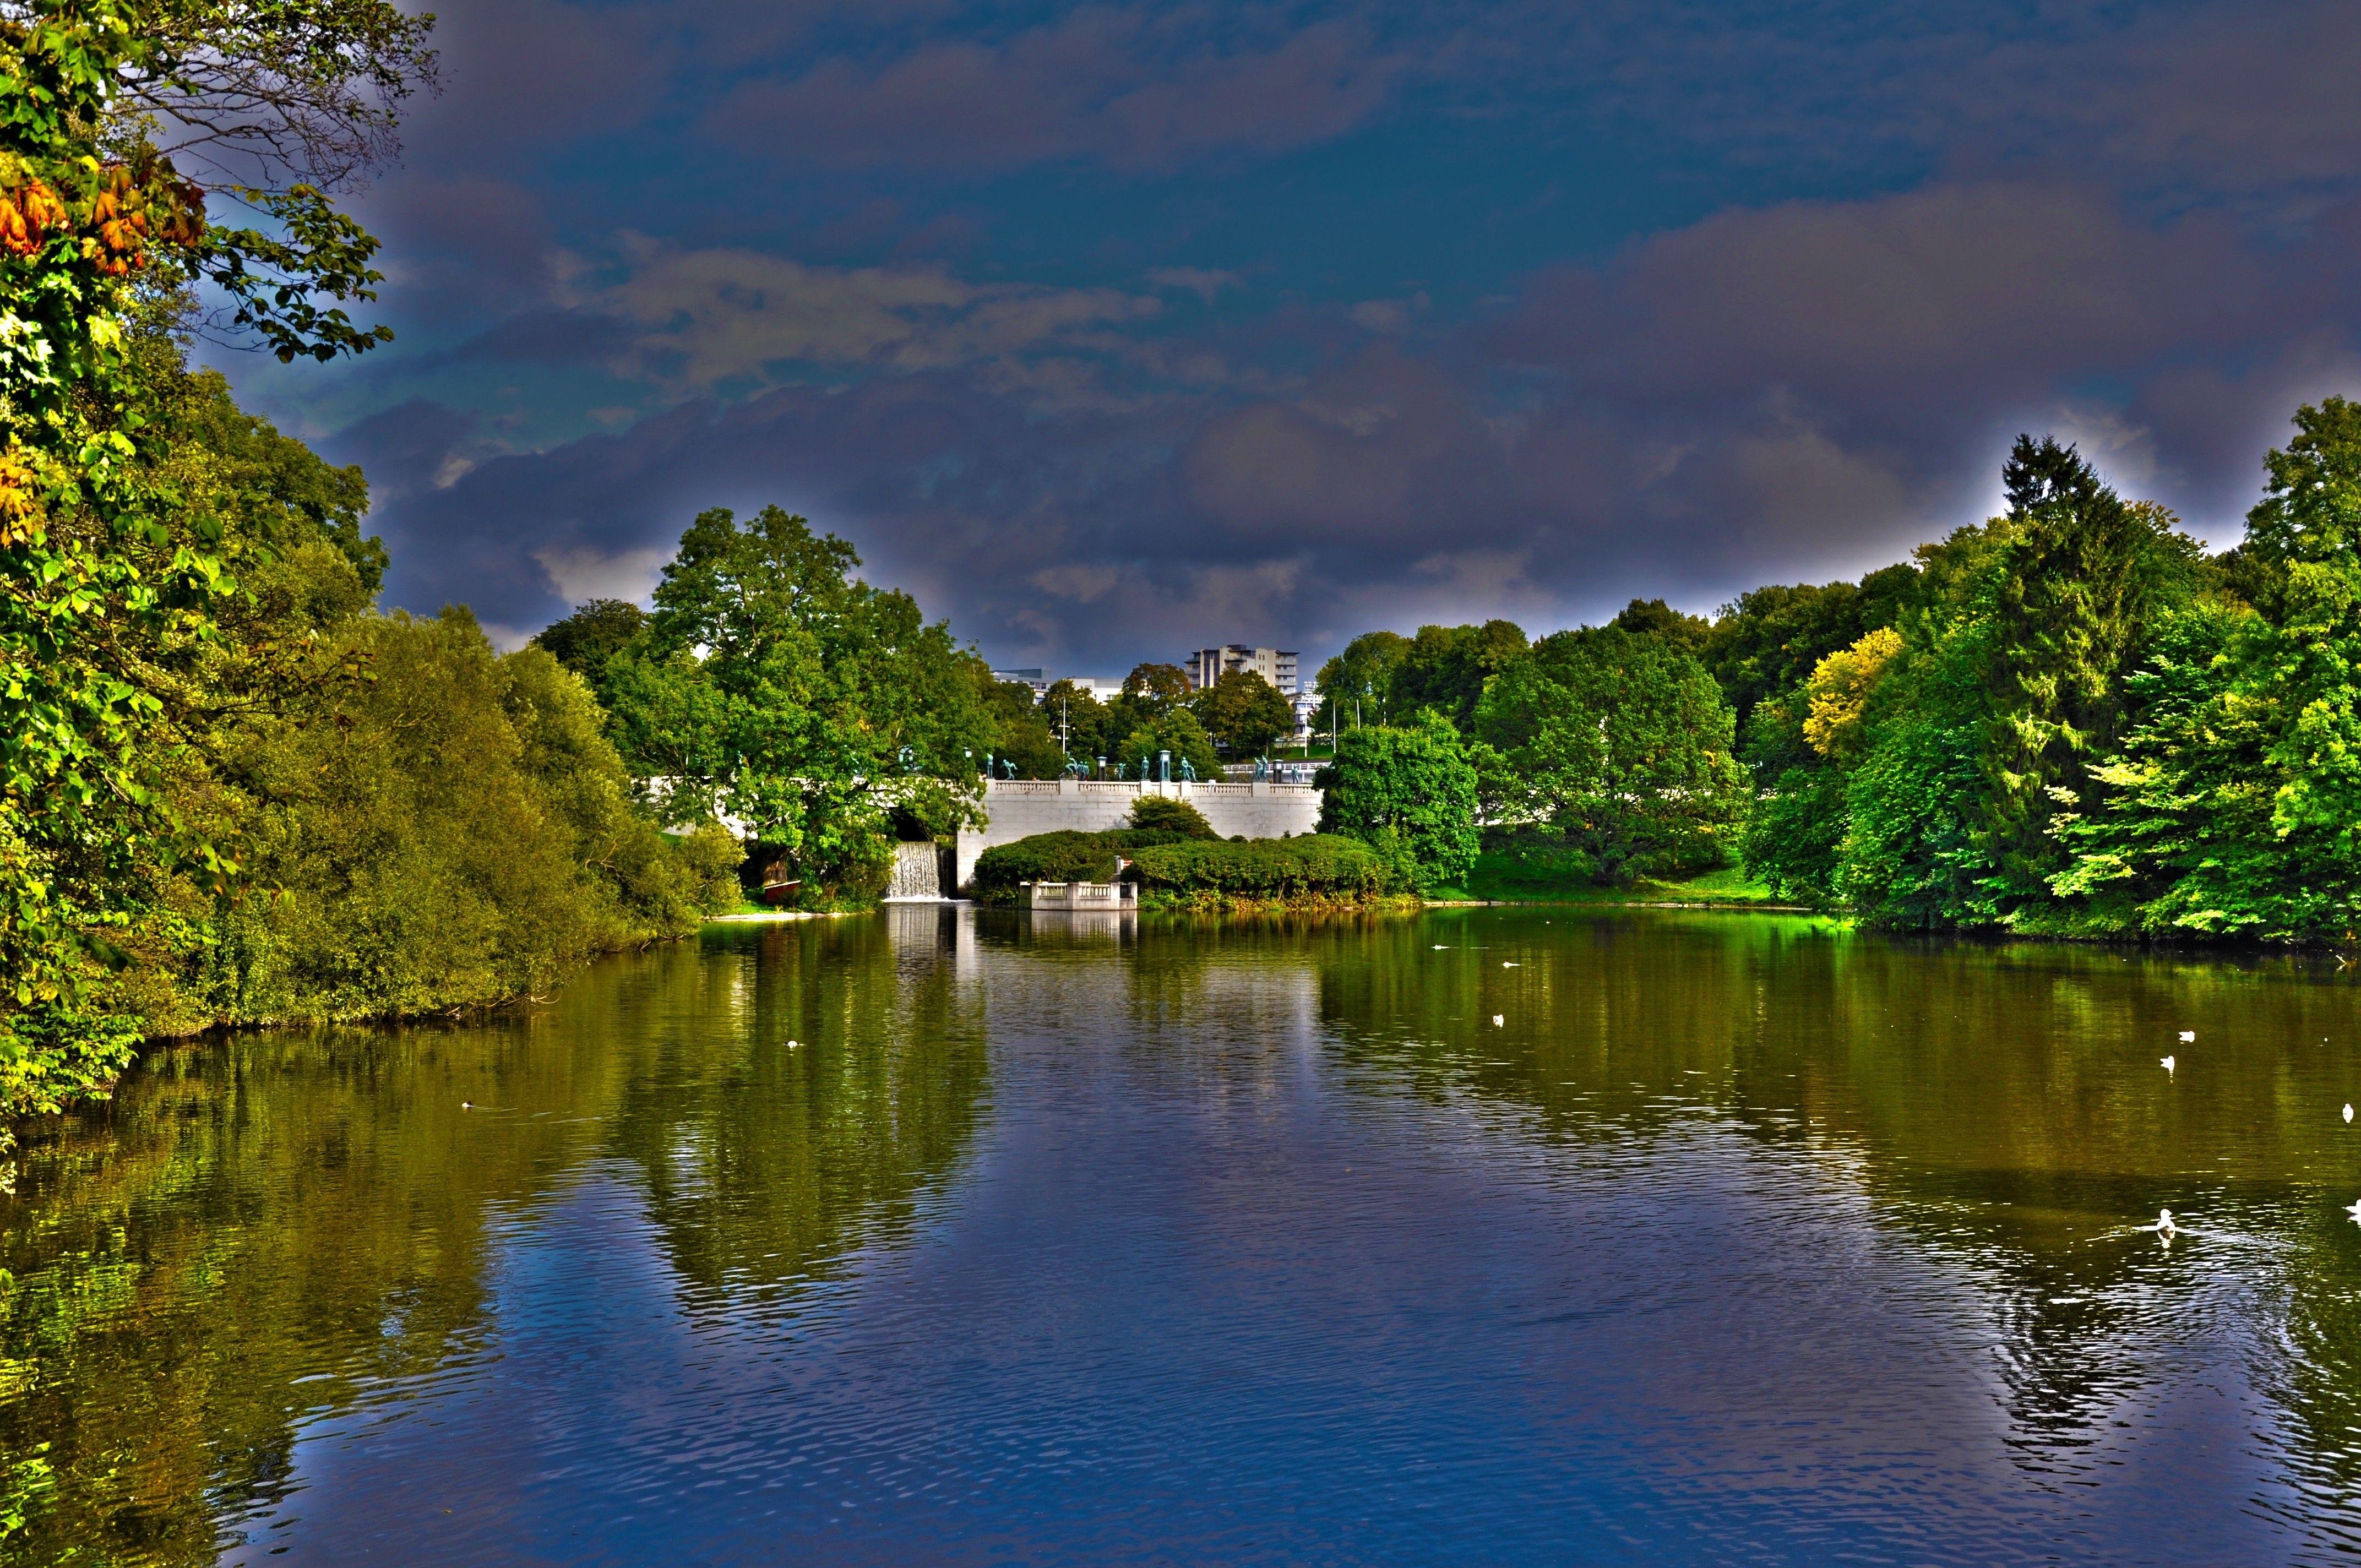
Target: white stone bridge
(1019,808)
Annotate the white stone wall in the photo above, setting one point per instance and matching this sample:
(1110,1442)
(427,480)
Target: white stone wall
(1019,808)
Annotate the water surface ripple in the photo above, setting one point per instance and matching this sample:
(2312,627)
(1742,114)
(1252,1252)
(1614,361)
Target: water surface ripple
(966,1237)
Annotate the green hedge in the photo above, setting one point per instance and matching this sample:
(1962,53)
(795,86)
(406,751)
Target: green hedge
(1317,866)
(1063,856)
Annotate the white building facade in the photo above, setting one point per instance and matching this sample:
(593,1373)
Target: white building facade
(1277,666)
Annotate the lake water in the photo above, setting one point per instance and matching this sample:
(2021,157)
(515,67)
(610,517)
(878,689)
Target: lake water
(1496,1236)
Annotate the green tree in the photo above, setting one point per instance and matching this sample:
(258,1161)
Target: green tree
(2183,838)
(2084,577)
(587,641)
(453,831)
(775,686)
(1654,618)
(1081,719)
(1445,668)
(1765,643)
(2311,508)
(1244,713)
(1359,680)
(1622,742)
(1408,791)
(1177,732)
(1021,737)
(1155,690)
(1163,814)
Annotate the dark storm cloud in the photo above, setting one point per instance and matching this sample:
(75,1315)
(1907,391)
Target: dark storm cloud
(1048,307)
(1799,391)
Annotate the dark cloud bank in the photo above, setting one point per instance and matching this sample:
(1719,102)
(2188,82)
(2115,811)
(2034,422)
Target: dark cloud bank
(2155,260)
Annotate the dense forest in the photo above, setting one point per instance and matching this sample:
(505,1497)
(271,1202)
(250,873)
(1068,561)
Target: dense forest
(2067,720)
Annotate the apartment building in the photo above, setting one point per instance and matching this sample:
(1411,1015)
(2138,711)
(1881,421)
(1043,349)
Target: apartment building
(1276,666)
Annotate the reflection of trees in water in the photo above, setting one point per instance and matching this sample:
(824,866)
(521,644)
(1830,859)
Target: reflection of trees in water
(764,1165)
(185,1264)
(2003,1105)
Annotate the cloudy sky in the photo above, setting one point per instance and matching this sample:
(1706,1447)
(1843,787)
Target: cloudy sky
(1115,329)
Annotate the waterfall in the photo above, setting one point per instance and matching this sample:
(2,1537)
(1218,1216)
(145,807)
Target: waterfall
(917,873)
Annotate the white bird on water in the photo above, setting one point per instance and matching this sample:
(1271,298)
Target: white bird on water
(1500,1022)
(2167,1062)
(2356,1210)
(2164,1227)
(2187,1035)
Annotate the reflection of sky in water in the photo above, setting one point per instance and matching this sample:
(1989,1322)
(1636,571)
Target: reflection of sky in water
(1740,1241)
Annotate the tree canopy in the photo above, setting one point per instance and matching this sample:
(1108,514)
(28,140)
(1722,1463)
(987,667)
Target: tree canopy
(1622,742)
(1408,791)
(1243,713)
(773,686)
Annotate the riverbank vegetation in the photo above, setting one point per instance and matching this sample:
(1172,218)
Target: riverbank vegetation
(2068,720)
(231,791)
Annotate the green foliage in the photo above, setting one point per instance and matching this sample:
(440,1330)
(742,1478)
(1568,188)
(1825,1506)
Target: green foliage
(2080,580)
(773,686)
(1623,743)
(1794,834)
(1360,680)
(1243,713)
(587,641)
(1177,731)
(1088,724)
(453,831)
(1021,735)
(1445,668)
(2183,838)
(2311,508)
(1316,868)
(1155,690)
(1164,814)
(1654,618)
(112,586)
(1063,856)
(1764,644)
(1410,793)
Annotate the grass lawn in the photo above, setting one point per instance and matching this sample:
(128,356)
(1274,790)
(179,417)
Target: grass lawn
(1504,877)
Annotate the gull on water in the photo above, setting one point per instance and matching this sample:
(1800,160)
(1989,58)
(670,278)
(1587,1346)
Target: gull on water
(2356,1210)
(2187,1035)
(1500,1022)
(2165,1062)
(2164,1227)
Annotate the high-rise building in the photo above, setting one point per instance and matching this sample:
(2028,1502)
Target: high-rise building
(1276,666)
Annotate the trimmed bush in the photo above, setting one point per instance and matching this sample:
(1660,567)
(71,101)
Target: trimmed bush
(1163,814)
(1318,866)
(1063,856)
